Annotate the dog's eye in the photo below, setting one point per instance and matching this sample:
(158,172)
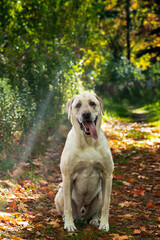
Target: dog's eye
(78,105)
(92,104)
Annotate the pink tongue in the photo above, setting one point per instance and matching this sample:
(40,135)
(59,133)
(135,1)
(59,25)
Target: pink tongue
(92,129)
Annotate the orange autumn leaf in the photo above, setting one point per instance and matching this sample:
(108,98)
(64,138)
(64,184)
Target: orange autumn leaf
(131,180)
(150,204)
(14,237)
(2,226)
(125,204)
(54,224)
(5,218)
(137,231)
(50,193)
(13,205)
(118,237)
(17,172)
(128,216)
(117,176)
(139,192)
(143,228)
(157,194)
(13,222)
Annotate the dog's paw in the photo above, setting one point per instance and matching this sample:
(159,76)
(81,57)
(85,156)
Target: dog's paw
(94,222)
(70,227)
(104,227)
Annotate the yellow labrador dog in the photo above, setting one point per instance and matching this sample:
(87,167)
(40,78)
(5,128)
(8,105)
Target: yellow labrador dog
(86,166)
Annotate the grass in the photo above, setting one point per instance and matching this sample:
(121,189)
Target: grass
(114,109)
(156,125)
(124,111)
(154,110)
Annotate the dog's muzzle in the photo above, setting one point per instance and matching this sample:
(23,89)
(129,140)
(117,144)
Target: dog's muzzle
(89,128)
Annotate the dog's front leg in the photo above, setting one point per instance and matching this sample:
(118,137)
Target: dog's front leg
(68,217)
(106,192)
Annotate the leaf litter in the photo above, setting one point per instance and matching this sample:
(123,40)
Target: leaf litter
(27,209)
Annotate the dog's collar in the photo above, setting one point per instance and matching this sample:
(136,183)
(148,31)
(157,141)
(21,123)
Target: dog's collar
(82,127)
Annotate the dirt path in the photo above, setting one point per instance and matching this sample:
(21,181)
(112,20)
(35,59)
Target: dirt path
(140,116)
(27,209)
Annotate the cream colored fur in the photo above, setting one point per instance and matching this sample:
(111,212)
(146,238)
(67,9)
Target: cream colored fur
(86,166)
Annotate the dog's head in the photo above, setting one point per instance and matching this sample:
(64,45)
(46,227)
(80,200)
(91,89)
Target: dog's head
(86,113)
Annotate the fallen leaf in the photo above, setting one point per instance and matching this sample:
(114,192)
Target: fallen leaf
(54,224)
(40,225)
(126,183)
(118,176)
(22,206)
(137,231)
(139,192)
(17,172)
(124,204)
(131,180)
(118,237)
(128,216)
(50,193)
(150,204)
(16,238)
(13,205)
(149,232)
(13,221)
(42,182)
(24,164)
(143,228)
(5,218)
(72,234)
(2,226)
(158,219)
(7,182)
(157,193)
(37,163)
(38,233)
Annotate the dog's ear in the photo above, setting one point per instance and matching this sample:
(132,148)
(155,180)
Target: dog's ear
(69,107)
(101,103)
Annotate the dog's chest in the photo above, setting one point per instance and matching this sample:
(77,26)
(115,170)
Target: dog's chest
(87,176)
(87,184)
(88,163)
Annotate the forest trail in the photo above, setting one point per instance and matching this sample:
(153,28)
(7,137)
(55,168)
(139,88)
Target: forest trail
(140,115)
(27,209)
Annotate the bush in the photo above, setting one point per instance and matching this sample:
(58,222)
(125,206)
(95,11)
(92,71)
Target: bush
(33,88)
(120,79)
(16,110)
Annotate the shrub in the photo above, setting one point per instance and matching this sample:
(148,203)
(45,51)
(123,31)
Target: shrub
(16,110)
(120,79)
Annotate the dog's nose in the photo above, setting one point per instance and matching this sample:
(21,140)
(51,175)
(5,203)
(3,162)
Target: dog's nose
(86,115)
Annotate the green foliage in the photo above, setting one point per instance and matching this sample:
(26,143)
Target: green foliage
(16,110)
(114,109)
(154,110)
(119,78)
(50,50)
(6,164)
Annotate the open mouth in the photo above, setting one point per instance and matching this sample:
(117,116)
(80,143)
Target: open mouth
(89,128)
